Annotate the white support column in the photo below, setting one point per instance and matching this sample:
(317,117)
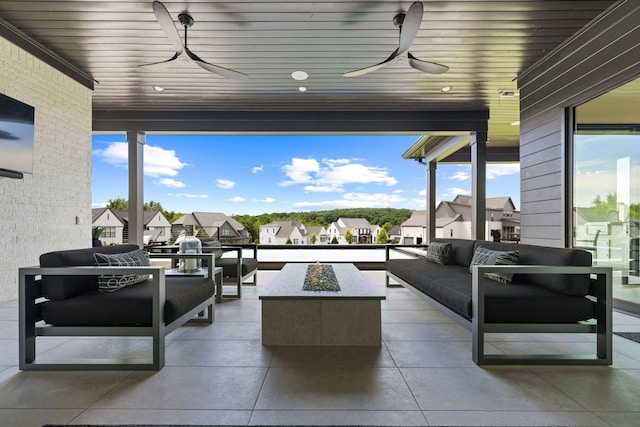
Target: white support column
(478,185)
(431,201)
(136,142)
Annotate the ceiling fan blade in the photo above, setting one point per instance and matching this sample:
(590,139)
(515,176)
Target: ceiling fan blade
(225,72)
(372,68)
(426,66)
(173,58)
(167,25)
(410,26)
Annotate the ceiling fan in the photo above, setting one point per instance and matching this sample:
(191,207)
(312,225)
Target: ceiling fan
(408,24)
(168,26)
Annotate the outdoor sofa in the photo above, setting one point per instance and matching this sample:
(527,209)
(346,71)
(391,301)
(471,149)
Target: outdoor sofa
(80,293)
(530,289)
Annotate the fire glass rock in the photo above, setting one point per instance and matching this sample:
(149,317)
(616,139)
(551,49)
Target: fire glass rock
(320,277)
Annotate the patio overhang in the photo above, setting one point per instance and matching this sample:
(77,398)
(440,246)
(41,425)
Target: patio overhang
(459,147)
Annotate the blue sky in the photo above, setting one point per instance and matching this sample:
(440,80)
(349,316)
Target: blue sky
(255,174)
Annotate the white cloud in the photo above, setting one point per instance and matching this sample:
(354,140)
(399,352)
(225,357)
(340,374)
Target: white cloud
(170,182)
(461,176)
(99,205)
(257,169)
(335,162)
(356,200)
(157,161)
(321,188)
(334,174)
(225,183)
(189,195)
(237,199)
(455,191)
(268,200)
(496,170)
(417,203)
(354,173)
(299,171)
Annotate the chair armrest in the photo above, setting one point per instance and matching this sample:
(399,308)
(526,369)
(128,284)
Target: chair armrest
(89,270)
(602,289)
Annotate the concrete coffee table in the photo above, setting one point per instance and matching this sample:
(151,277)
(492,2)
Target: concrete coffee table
(293,316)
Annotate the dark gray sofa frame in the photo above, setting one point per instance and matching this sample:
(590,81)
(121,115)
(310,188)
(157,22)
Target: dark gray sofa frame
(238,279)
(30,326)
(601,292)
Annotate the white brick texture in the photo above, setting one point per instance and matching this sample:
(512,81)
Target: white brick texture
(38,213)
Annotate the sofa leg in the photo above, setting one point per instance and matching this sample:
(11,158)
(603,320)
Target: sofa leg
(158,350)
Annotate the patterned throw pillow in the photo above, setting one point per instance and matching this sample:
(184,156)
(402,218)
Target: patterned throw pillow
(113,282)
(438,252)
(484,256)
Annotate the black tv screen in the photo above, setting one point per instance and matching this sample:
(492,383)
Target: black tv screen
(16,135)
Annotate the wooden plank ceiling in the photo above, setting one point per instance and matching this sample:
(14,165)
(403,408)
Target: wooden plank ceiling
(486,44)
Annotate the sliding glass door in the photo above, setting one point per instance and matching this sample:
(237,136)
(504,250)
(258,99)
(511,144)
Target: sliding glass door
(606,189)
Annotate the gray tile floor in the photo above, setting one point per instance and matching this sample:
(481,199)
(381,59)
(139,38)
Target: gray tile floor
(422,375)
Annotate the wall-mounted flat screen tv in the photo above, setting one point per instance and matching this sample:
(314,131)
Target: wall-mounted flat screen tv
(16,136)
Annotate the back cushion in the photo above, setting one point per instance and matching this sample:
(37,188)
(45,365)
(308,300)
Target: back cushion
(569,284)
(62,287)
(461,250)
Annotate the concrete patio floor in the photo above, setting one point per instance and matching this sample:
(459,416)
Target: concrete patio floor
(422,375)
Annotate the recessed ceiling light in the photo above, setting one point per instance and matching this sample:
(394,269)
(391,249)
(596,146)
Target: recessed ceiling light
(299,75)
(158,88)
(302,89)
(507,93)
(446,89)
(516,123)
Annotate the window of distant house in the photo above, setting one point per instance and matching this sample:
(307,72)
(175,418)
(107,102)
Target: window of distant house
(109,232)
(225,232)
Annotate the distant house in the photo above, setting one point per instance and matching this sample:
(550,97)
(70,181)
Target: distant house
(112,226)
(360,229)
(453,219)
(157,228)
(395,234)
(606,234)
(414,230)
(215,225)
(281,232)
(322,236)
(115,225)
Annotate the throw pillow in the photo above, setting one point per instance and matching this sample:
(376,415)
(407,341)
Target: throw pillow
(113,282)
(484,256)
(438,252)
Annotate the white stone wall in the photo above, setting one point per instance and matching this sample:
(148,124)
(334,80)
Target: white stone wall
(50,209)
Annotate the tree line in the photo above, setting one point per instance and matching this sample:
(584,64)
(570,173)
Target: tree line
(385,217)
